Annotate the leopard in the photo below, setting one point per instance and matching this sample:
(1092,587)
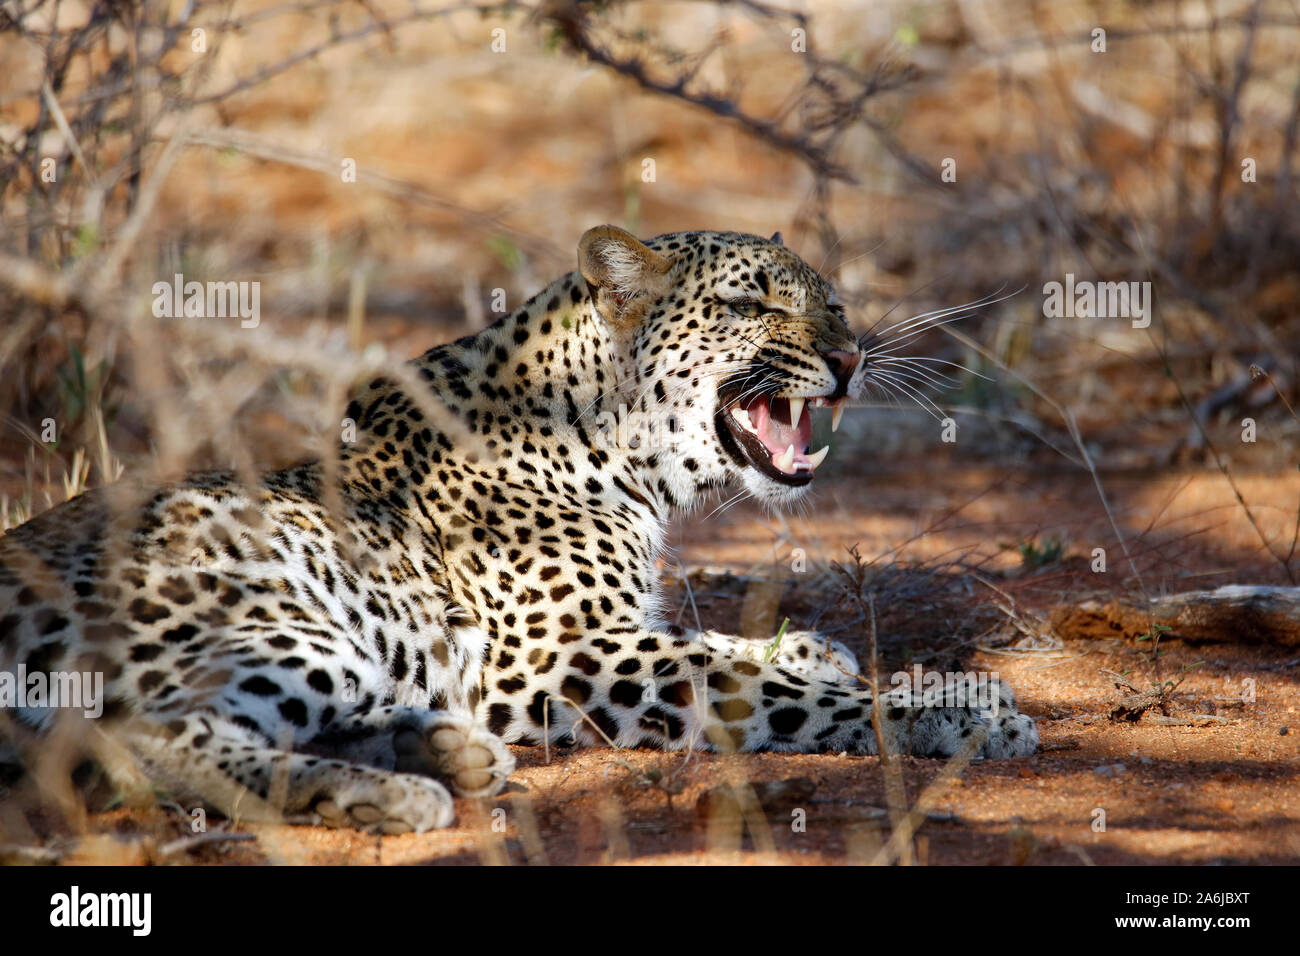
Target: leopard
(358,643)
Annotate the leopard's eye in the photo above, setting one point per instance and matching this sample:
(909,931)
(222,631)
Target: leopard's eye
(746,307)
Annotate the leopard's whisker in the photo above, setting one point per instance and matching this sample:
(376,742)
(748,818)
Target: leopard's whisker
(936,378)
(892,346)
(930,320)
(991,299)
(917,396)
(726,504)
(917,359)
(911,375)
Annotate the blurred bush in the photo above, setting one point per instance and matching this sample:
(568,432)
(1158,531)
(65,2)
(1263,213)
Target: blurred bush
(394,173)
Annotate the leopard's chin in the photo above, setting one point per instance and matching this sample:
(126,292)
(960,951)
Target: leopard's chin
(775,496)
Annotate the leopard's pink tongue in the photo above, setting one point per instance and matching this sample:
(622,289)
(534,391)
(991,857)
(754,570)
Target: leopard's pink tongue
(775,432)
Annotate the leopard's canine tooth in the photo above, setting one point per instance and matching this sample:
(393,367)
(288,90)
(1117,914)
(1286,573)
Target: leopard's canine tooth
(796,411)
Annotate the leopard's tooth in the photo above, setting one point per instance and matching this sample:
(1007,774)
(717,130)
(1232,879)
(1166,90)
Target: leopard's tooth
(837,415)
(796,411)
(817,458)
(742,416)
(786,461)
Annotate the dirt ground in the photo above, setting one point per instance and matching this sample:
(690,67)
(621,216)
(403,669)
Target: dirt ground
(1099,792)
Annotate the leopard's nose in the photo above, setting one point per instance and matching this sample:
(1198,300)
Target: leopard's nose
(842,365)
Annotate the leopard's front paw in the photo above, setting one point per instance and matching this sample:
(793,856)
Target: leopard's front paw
(388,803)
(453,748)
(1010,733)
(939,729)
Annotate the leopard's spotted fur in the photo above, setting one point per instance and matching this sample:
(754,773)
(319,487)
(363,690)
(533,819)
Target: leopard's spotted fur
(370,656)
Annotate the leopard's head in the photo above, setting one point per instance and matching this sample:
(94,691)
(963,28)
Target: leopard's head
(728,342)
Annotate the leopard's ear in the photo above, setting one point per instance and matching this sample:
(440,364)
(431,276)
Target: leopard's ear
(776,239)
(623,274)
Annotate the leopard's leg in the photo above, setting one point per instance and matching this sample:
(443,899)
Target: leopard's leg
(806,653)
(448,746)
(207,760)
(652,689)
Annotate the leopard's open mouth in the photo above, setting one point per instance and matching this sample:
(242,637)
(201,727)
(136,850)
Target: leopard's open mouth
(772,434)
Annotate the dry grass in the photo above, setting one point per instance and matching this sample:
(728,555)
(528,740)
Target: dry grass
(476,171)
